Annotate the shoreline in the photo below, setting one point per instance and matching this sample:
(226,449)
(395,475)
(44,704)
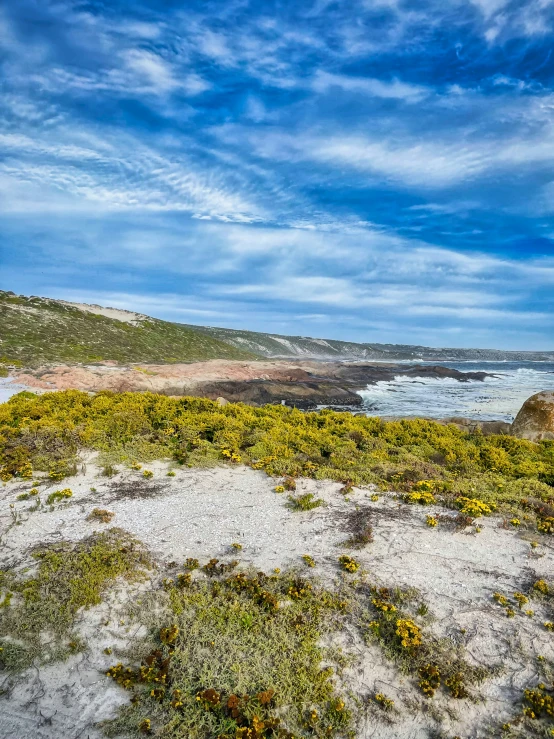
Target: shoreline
(303,384)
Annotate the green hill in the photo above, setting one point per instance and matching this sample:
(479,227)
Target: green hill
(36,330)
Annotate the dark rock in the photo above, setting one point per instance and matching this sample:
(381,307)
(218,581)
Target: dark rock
(303,395)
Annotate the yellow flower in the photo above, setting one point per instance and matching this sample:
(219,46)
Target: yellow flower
(409,633)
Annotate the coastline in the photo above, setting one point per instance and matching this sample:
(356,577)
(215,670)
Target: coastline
(304,384)
(477,393)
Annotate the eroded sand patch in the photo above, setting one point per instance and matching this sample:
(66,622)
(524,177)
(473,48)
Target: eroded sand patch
(199,513)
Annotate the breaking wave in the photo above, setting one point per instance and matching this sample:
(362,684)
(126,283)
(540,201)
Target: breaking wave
(499,397)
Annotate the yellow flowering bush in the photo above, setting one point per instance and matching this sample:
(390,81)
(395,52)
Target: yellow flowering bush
(383,605)
(541,586)
(423,498)
(417,457)
(539,702)
(58,495)
(546,525)
(349,563)
(408,632)
(386,703)
(473,507)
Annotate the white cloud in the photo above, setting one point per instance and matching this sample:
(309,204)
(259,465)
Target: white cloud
(341,293)
(395,89)
(150,70)
(114,173)
(489,7)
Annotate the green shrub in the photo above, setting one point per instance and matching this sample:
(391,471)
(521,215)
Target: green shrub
(68,577)
(304,502)
(410,456)
(230,660)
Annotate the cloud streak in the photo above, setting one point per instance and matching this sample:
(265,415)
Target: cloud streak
(377,171)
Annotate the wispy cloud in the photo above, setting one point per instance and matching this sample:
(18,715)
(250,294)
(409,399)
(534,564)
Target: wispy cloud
(394,89)
(376,169)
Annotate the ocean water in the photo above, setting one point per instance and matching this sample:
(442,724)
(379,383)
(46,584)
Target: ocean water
(497,398)
(9,388)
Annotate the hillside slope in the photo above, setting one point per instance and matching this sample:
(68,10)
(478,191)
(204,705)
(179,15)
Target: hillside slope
(274,345)
(36,330)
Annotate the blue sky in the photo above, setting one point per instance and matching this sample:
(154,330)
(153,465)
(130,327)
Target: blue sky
(371,170)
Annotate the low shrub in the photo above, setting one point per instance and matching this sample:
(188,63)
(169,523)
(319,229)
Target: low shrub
(304,502)
(421,459)
(273,677)
(59,495)
(68,577)
(101,515)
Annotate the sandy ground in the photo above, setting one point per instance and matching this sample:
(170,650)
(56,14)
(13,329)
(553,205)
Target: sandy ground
(200,513)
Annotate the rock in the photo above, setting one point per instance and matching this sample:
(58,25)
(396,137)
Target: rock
(535,420)
(221,401)
(487,428)
(303,395)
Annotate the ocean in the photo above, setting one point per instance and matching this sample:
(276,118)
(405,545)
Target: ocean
(497,398)
(8,388)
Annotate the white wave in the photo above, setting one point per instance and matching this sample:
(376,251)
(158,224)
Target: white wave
(499,397)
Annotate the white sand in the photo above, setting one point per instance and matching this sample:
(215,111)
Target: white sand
(199,513)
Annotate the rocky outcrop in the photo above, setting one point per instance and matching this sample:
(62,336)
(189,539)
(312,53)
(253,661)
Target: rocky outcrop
(303,384)
(303,395)
(535,420)
(359,374)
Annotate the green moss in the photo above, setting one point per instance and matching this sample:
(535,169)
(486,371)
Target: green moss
(237,653)
(39,620)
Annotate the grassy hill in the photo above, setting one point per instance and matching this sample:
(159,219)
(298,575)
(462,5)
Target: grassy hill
(36,330)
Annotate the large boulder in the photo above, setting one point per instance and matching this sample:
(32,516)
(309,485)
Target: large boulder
(535,420)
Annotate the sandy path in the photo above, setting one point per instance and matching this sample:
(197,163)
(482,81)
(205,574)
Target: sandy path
(201,512)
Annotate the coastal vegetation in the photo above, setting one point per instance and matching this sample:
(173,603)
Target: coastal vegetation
(423,461)
(67,578)
(38,330)
(227,652)
(238,655)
